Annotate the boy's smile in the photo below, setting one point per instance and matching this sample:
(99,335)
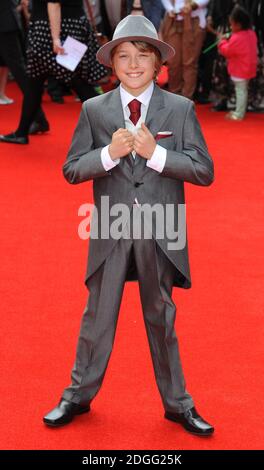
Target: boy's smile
(134,68)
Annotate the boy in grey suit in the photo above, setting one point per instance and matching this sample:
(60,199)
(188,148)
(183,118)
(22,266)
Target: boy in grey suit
(115,145)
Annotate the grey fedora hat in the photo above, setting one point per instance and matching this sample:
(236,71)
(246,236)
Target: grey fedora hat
(134,28)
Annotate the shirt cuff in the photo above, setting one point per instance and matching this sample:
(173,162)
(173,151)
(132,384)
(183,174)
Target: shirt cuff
(107,161)
(158,159)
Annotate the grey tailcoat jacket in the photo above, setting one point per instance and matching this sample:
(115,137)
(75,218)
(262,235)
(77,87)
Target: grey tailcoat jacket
(187,160)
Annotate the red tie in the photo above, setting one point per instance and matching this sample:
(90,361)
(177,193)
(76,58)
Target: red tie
(135,113)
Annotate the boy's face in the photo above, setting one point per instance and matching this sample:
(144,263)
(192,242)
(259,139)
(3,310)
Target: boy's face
(134,68)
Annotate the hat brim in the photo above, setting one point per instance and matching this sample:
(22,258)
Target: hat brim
(104,53)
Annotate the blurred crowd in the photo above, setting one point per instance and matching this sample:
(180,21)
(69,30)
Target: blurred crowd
(197,30)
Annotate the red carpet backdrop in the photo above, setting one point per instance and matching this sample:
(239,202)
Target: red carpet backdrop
(219,321)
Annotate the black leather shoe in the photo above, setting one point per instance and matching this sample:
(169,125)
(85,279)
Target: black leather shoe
(64,413)
(14,139)
(191,421)
(39,127)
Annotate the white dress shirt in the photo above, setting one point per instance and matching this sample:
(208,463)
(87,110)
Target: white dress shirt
(158,158)
(177,5)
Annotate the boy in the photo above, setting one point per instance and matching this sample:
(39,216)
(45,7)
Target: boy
(113,146)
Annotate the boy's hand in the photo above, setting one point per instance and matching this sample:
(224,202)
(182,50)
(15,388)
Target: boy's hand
(144,142)
(122,144)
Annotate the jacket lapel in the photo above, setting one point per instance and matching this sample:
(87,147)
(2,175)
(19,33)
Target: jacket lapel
(155,119)
(156,116)
(114,117)
(157,112)
(115,120)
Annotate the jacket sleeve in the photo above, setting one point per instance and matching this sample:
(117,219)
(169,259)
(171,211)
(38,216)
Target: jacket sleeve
(193,164)
(83,161)
(228,47)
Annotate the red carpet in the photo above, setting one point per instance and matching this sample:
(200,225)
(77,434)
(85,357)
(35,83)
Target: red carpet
(219,321)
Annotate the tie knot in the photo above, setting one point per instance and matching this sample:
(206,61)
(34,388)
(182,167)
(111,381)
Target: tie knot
(134,107)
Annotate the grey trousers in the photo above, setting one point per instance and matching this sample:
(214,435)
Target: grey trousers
(98,326)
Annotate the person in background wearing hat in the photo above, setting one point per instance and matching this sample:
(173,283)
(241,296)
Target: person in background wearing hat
(138,144)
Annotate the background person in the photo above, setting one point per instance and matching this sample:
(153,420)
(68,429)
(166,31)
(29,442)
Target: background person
(51,22)
(241,54)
